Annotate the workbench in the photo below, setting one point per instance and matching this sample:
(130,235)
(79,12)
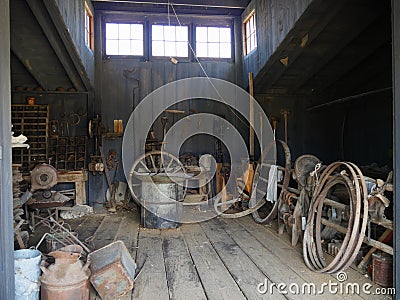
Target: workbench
(77,177)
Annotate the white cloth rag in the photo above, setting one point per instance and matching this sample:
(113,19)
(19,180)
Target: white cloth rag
(272,189)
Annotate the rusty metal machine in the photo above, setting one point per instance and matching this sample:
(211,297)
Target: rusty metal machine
(294,203)
(336,206)
(43,178)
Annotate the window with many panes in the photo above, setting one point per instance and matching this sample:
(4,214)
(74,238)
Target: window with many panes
(169,40)
(124,39)
(250,33)
(89,34)
(213,42)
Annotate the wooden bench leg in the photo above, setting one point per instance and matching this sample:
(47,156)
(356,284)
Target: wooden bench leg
(80,192)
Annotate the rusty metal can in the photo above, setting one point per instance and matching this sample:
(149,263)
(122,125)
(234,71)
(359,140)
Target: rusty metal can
(67,278)
(30,100)
(79,291)
(382,269)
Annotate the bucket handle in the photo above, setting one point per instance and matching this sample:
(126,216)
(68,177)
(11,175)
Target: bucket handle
(41,240)
(34,286)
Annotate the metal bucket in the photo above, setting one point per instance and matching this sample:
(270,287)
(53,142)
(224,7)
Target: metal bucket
(163,206)
(27,272)
(113,270)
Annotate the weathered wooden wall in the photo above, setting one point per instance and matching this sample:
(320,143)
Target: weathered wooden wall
(274,19)
(273,107)
(350,130)
(121,83)
(61,106)
(359,131)
(73,13)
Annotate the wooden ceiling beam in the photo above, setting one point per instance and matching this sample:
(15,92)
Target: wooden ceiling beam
(226,4)
(376,73)
(361,50)
(34,72)
(162,9)
(50,29)
(367,33)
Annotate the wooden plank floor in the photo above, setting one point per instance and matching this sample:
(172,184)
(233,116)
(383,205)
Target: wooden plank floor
(217,259)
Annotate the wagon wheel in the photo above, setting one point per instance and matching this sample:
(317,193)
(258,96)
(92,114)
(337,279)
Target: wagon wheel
(355,210)
(161,163)
(269,211)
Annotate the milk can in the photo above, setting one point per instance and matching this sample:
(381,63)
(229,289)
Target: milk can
(67,278)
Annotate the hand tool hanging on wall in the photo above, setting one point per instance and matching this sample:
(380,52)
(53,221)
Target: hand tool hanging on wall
(274,121)
(164,119)
(109,163)
(95,131)
(105,169)
(285,114)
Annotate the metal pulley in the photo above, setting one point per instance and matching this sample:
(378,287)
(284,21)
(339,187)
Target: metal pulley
(43,177)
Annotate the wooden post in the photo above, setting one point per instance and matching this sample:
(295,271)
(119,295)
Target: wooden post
(251,140)
(363,264)
(396,136)
(6,209)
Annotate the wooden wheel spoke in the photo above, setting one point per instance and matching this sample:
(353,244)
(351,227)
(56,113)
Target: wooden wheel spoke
(260,192)
(169,164)
(153,163)
(144,165)
(176,170)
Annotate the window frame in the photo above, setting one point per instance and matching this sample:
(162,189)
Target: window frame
(89,32)
(205,22)
(246,36)
(163,57)
(160,19)
(205,58)
(127,19)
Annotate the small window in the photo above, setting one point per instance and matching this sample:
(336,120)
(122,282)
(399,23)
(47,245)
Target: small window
(213,42)
(250,34)
(168,40)
(89,33)
(124,39)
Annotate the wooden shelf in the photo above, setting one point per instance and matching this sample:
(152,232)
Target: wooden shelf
(31,121)
(68,153)
(112,135)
